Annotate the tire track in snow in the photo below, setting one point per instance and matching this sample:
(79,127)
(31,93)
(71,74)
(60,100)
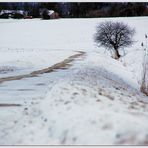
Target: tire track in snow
(8,105)
(61,65)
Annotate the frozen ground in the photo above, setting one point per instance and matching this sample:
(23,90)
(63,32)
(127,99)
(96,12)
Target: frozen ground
(95,101)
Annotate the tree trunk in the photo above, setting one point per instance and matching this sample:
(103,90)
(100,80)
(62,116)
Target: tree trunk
(117,55)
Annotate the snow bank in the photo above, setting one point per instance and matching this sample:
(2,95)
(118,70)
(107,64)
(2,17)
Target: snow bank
(88,105)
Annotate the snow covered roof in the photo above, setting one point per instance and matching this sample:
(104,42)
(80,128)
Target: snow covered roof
(20,12)
(5,11)
(50,12)
(11,11)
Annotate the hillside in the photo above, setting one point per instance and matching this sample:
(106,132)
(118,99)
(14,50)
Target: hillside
(90,99)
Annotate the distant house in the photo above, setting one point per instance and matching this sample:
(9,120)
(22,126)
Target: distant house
(12,14)
(6,13)
(48,14)
(18,14)
(28,17)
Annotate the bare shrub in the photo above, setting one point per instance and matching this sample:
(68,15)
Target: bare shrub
(144,84)
(114,35)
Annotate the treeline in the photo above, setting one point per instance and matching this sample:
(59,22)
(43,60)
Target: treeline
(81,9)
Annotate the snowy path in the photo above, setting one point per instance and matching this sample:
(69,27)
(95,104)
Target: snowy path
(27,92)
(80,105)
(33,85)
(61,65)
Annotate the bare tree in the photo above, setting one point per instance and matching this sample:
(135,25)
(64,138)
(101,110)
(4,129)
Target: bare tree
(144,84)
(114,35)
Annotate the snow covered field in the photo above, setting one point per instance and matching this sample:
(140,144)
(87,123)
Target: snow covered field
(95,98)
